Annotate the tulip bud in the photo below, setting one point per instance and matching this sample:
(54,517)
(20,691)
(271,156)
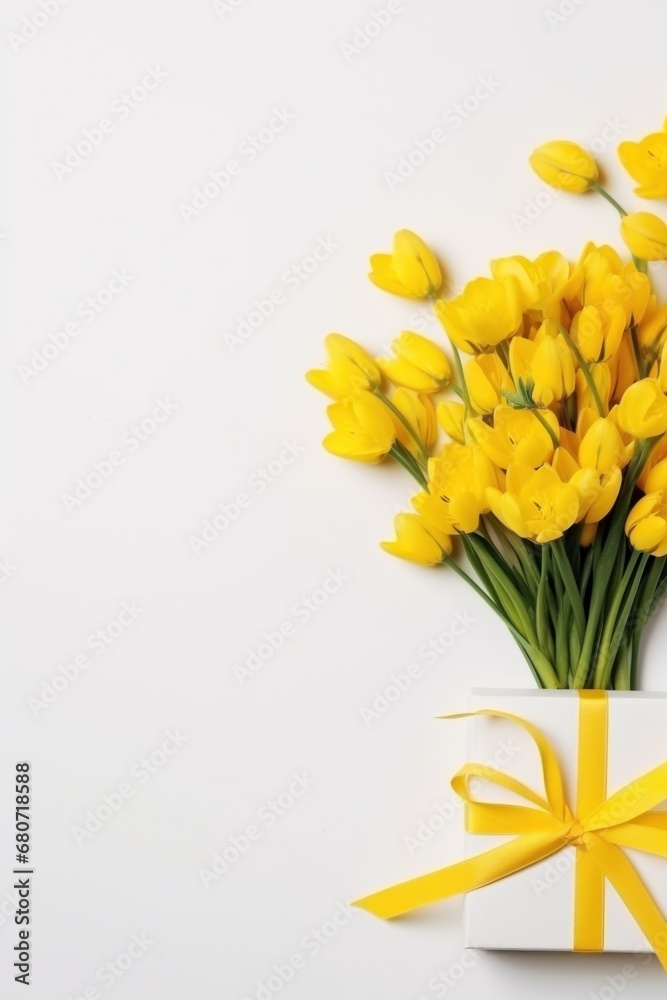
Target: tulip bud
(645,235)
(419,364)
(418,541)
(451,417)
(411,269)
(642,411)
(363,429)
(646,526)
(349,369)
(486,380)
(565,165)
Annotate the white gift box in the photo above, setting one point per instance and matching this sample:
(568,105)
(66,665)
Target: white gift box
(533,909)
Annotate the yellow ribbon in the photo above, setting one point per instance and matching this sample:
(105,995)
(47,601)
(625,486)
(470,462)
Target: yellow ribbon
(598,829)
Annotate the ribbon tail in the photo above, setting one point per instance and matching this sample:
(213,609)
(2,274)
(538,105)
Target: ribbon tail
(633,892)
(464,876)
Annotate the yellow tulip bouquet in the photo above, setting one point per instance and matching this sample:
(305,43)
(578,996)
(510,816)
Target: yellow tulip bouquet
(553,484)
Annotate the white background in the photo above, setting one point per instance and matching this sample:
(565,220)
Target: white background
(169,335)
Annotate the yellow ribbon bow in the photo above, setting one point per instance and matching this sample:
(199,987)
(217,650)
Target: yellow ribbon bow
(598,828)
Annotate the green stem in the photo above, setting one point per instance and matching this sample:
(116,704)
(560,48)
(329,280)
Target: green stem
(462,381)
(623,672)
(638,262)
(615,621)
(540,666)
(585,369)
(544,637)
(404,458)
(643,611)
(406,423)
(548,428)
(639,361)
(570,584)
(612,201)
(602,570)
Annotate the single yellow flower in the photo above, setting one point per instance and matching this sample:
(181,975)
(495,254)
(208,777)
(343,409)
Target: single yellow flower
(646,526)
(457,484)
(597,330)
(363,428)
(418,541)
(419,412)
(656,480)
(645,235)
(646,162)
(484,314)
(564,165)
(602,446)
(539,280)
(643,410)
(535,504)
(548,363)
(486,380)
(451,417)
(657,457)
(597,491)
(419,364)
(411,269)
(516,436)
(349,369)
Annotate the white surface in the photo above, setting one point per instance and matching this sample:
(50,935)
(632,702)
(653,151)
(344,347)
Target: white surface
(534,909)
(322,178)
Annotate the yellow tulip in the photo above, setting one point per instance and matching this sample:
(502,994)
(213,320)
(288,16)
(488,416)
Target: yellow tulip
(602,446)
(486,380)
(411,269)
(601,376)
(418,541)
(535,504)
(516,436)
(597,330)
(645,235)
(457,484)
(419,412)
(642,411)
(539,280)
(597,491)
(548,363)
(419,364)
(486,313)
(349,369)
(565,165)
(646,526)
(451,417)
(656,480)
(363,428)
(657,457)
(646,162)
